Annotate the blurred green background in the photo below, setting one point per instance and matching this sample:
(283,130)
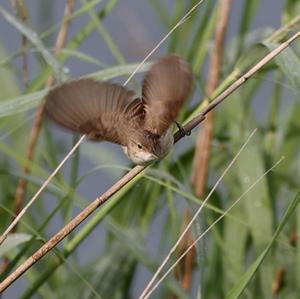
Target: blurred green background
(114,253)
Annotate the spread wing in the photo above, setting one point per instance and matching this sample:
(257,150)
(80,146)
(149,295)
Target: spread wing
(165,90)
(97,109)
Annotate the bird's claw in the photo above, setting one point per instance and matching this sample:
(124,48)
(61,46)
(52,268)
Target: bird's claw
(182,131)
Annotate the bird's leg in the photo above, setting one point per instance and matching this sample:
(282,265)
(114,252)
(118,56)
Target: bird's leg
(182,131)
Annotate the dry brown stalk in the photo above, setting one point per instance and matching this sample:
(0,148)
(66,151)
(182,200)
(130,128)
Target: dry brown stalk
(280,275)
(205,137)
(25,59)
(34,134)
(59,236)
(293,237)
(278,281)
(184,271)
(22,13)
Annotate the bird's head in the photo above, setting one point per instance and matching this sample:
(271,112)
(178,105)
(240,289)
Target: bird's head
(142,148)
(145,147)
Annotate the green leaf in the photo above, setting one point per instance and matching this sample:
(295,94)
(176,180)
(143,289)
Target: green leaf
(289,63)
(21,103)
(120,70)
(131,239)
(9,86)
(12,241)
(238,289)
(36,41)
(104,33)
(257,202)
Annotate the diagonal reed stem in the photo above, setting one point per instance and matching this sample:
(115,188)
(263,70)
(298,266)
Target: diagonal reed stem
(136,170)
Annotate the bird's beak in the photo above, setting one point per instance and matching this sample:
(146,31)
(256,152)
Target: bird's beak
(155,157)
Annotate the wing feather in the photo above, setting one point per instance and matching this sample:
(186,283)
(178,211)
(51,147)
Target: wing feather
(97,109)
(166,88)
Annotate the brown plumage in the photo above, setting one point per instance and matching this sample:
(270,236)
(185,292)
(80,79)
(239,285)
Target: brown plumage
(165,90)
(97,109)
(106,111)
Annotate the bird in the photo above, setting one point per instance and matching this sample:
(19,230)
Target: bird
(106,111)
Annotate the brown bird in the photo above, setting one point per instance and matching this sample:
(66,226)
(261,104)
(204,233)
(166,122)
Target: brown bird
(107,111)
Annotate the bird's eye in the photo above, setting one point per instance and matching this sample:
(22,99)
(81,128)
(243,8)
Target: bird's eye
(139,146)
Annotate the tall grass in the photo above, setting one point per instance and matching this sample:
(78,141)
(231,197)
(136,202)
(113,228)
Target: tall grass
(252,252)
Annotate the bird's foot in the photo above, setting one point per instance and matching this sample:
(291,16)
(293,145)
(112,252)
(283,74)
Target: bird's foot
(182,131)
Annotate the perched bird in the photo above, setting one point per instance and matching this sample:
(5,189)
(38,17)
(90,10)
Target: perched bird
(110,112)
